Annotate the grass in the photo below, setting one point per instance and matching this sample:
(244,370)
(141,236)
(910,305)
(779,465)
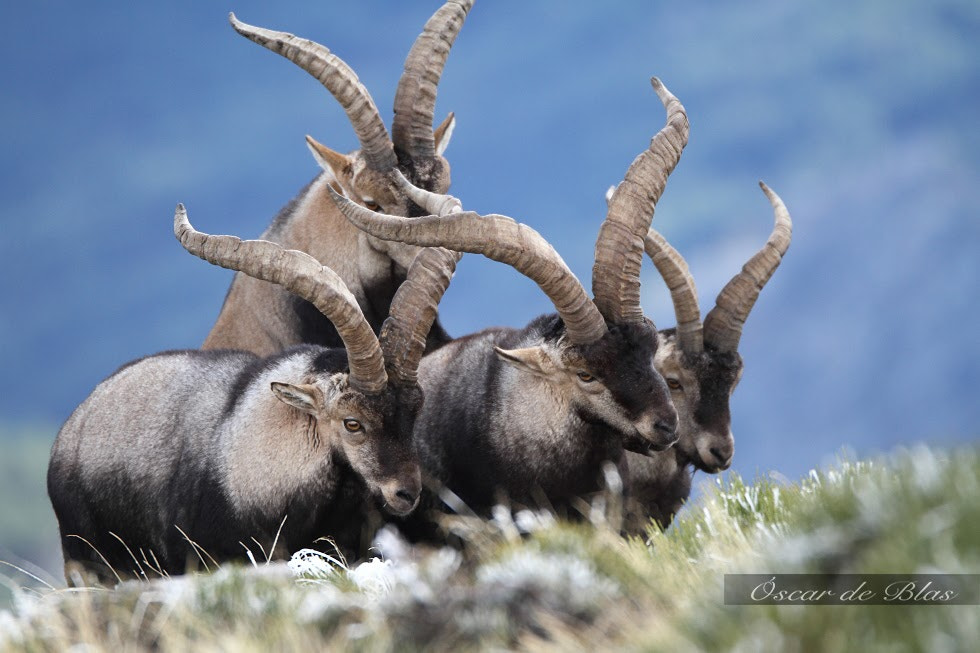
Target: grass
(527,581)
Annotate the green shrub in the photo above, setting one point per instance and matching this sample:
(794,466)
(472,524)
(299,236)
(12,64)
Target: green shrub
(528,581)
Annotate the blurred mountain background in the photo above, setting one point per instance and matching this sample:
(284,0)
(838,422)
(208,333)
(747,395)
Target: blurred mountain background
(862,115)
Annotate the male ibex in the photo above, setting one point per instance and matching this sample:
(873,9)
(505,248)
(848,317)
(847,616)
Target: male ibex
(702,366)
(532,413)
(194,446)
(264,318)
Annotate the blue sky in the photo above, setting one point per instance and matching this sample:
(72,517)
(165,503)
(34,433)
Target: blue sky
(861,115)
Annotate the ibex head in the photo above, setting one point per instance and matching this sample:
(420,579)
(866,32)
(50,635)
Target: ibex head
(366,175)
(362,429)
(700,361)
(608,381)
(362,402)
(602,350)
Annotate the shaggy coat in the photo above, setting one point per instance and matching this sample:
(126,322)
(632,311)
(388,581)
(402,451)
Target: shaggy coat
(192,445)
(492,430)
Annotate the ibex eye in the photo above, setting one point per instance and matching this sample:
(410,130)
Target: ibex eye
(674,384)
(585,377)
(352,425)
(374,206)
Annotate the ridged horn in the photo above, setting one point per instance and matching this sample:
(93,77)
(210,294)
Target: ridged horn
(723,325)
(304,276)
(683,292)
(619,246)
(499,238)
(338,78)
(434,203)
(413,310)
(415,98)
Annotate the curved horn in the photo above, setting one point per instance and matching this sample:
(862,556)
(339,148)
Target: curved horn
(723,325)
(338,78)
(499,238)
(434,203)
(413,310)
(415,99)
(619,247)
(302,275)
(683,293)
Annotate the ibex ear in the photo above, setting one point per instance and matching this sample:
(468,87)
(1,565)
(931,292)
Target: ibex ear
(444,132)
(529,359)
(302,397)
(333,163)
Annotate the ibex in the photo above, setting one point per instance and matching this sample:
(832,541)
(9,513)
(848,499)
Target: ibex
(264,318)
(225,448)
(702,366)
(530,414)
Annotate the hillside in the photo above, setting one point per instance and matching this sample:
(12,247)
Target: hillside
(526,581)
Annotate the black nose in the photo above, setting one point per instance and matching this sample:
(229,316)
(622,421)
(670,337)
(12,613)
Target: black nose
(723,457)
(667,428)
(405,495)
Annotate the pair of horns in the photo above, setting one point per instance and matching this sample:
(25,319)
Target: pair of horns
(414,99)
(619,249)
(413,308)
(722,327)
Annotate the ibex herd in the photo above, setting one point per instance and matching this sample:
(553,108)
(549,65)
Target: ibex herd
(327,387)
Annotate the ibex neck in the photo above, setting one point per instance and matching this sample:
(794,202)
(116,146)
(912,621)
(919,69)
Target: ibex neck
(262,473)
(313,224)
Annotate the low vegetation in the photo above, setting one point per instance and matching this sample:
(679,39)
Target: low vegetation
(527,581)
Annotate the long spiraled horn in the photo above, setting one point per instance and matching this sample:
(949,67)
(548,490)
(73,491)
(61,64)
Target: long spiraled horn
(723,325)
(619,247)
(338,78)
(415,99)
(302,275)
(499,238)
(683,293)
(413,310)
